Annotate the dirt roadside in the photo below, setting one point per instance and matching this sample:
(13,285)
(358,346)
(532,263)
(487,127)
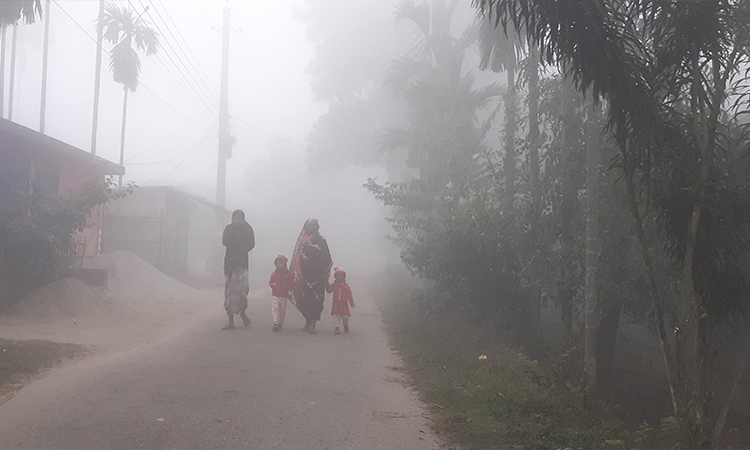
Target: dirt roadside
(132,324)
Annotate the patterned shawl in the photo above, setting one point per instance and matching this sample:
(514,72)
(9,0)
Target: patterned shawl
(311,261)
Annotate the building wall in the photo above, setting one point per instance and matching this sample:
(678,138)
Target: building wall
(173,231)
(205,256)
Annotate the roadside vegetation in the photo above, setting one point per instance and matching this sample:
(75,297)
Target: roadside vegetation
(20,359)
(486,394)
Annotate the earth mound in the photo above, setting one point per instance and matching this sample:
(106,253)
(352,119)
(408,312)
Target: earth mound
(67,297)
(131,276)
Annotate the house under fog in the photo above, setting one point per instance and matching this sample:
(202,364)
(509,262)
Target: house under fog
(175,231)
(32,159)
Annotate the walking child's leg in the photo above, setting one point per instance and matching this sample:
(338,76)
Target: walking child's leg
(275,309)
(346,323)
(337,324)
(282,310)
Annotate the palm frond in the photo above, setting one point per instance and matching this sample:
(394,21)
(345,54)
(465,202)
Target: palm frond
(125,65)
(418,13)
(11,11)
(122,28)
(146,39)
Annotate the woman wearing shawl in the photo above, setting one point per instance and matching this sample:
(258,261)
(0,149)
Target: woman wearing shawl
(311,264)
(239,239)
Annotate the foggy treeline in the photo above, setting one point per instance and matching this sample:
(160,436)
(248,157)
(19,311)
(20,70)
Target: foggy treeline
(559,168)
(590,163)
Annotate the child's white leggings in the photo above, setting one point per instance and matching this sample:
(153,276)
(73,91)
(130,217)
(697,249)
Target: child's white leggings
(338,319)
(278,309)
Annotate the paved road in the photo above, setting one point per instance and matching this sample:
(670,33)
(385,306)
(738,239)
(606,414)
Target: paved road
(249,388)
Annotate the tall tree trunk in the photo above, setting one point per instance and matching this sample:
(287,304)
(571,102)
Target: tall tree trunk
(2,72)
(705,124)
(122,132)
(12,81)
(511,119)
(45,54)
(536,197)
(606,339)
(97,75)
(565,286)
(671,358)
(591,307)
(722,418)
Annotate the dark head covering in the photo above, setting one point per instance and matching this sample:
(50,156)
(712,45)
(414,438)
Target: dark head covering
(238,214)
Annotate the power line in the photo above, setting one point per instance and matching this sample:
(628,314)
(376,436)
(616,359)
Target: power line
(205,91)
(190,151)
(242,29)
(109,54)
(168,137)
(164,68)
(206,79)
(271,133)
(169,43)
(271,113)
(207,14)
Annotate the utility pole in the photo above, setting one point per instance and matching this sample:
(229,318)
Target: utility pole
(45,53)
(225,142)
(122,133)
(12,70)
(97,76)
(2,72)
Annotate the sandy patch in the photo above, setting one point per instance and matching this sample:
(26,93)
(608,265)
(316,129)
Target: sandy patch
(139,306)
(66,298)
(131,276)
(130,323)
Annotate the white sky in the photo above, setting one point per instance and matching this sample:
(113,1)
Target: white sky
(172,122)
(173,118)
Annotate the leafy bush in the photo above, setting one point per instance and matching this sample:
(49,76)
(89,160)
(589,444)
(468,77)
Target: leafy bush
(34,227)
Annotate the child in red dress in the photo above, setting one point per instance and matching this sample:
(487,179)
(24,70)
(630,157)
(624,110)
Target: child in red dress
(281,284)
(342,299)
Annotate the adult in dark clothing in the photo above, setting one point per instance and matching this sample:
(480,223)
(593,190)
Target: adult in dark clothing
(239,239)
(311,264)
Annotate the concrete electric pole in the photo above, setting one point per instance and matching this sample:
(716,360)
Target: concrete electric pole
(45,55)
(225,141)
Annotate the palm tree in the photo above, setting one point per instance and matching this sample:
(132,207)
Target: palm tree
(11,11)
(501,53)
(128,33)
(442,102)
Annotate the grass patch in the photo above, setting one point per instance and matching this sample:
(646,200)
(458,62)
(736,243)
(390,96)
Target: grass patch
(19,359)
(485,394)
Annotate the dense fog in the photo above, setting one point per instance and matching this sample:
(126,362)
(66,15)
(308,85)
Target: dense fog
(555,193)
(172,123)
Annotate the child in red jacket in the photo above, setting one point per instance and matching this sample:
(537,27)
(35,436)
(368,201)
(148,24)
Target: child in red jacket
(342,299)
(281,284)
